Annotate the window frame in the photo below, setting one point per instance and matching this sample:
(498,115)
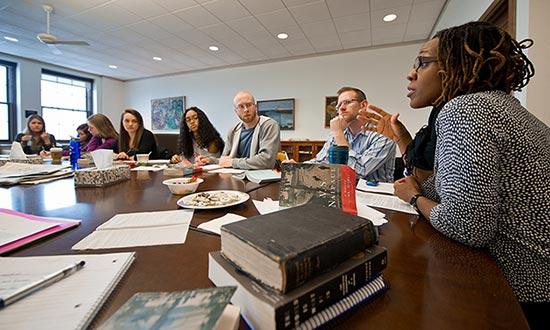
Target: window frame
(11,68)
(89,92)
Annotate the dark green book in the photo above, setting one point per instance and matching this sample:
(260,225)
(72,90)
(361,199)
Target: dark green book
(286,248)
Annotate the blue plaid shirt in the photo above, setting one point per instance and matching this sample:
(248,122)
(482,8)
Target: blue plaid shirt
(371,155)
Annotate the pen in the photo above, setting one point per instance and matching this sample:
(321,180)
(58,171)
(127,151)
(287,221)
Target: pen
(42,283)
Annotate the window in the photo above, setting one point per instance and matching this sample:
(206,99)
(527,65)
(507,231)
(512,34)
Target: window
(66,103)
(8,112)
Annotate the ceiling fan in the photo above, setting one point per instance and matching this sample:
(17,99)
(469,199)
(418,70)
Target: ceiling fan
(51,40)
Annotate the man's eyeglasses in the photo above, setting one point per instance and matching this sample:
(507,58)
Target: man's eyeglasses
(345,103)
(244,106)
(421,62)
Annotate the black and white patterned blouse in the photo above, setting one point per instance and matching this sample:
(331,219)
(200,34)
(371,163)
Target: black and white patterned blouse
(492,183)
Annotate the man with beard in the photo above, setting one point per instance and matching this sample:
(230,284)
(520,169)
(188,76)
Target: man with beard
(253,142)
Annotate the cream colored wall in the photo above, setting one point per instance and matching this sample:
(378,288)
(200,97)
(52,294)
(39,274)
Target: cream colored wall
(379,72)
(539,54)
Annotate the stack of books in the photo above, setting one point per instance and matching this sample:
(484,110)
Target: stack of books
(300,267)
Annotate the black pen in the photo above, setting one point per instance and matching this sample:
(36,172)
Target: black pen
(43,282)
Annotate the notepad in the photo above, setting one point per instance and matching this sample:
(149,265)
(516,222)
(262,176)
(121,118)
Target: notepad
(67,304)
(18,229)
(384,201)
(381,187)
(215,225)
(139,229)
(260,176)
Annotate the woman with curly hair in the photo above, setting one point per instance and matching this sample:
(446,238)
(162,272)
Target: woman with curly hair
(35,138)
(198,137)
(489,188)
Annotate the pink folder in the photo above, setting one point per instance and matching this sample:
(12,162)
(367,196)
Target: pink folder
(61,224)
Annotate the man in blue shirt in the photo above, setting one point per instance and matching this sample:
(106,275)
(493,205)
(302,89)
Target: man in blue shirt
(254,141)
(371,155)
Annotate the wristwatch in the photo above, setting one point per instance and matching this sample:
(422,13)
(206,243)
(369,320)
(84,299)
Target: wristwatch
(414,200)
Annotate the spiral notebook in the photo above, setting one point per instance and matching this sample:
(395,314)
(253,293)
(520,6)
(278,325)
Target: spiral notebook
(70,303)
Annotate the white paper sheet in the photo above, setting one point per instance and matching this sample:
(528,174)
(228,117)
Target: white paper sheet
(139,229)
(228,171)
(210,167)
(267,206)
(384,201)
(377,217)
(215,225)
(382,187)
(13,227)
(70,303)
(152,168)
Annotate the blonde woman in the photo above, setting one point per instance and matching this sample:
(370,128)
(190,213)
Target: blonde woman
(35,138)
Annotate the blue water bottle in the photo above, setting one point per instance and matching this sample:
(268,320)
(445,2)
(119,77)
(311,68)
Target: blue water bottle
(74,153)
(338,154)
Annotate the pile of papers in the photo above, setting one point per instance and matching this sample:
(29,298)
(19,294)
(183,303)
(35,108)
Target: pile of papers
(21,173)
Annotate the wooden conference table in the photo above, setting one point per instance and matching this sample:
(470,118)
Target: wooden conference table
(435,283)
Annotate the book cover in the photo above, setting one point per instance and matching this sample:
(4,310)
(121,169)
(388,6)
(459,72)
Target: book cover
(284,249)
(265,308)
(331,185)
(197,309)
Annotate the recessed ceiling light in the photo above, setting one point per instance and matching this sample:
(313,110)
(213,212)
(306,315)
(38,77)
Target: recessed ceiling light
(113,66)
(389,17)
(156,58)
(11,39)
(282,36)
(213,48)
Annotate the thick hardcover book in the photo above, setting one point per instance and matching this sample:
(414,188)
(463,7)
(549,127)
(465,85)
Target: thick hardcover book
(284,249)
(308,304)
(331,185)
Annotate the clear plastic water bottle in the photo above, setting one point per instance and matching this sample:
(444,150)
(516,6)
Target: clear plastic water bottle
(74,153)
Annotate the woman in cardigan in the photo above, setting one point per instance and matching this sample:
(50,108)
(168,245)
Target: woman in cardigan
(35,138)
(134,138)
(489,187)
(198,137)
(104,135)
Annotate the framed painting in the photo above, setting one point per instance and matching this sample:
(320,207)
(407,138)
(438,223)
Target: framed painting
(282,111)
(330,109)
(166,113)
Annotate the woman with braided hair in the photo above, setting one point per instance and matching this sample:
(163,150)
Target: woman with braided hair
(489,187)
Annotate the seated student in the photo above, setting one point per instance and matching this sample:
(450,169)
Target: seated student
(371,155)
(104,135)
(84,136)
(35,138)
(254,141)
(134,138)
(489,188)
(198,137)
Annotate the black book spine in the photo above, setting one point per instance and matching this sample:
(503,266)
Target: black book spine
(291,314)
(306,265)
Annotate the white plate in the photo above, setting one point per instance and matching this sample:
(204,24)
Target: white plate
(183,202)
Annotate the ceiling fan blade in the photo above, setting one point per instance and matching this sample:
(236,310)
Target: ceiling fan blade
(54,49)
(70,42)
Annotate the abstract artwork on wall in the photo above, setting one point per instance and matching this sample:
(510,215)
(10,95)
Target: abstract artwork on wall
(166,113)
(280,110)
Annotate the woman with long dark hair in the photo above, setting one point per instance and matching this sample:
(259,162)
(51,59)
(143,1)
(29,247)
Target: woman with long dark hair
(35,138)
(489,188)
(198,137)
(134,138)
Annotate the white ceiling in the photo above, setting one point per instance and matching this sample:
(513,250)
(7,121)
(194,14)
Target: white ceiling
(128,33)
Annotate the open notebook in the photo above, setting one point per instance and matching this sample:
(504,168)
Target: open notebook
(70,303)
